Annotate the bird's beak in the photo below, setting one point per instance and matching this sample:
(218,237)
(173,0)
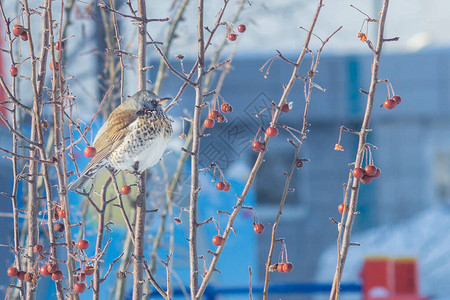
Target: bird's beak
(164,100)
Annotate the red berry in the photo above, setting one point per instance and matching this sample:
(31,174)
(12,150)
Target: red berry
(280,268)
(83,244)
(28,277)
(285,108)
(54,67)
(59,227)
(258,228)
(397,99)
(90,151)
(89,270)
(18,29)
(62,213)
(341,208)
(258,146)
(377,174)
(14,71)
(125,189)
(390,103)
(366,179)
(358,172)
(370,170)
(287,267)
(52,268)
(220,185)
(227,186)
(217,240)
(12,272)
(24,36)
(209,123)
(44,272)
(272,131)
(242,28)
(21,275)
(213,114)
(57,275)
(221,119)
(38,249)
(232,37)
(177,220)
(79,287)
(59,45)
(226,108)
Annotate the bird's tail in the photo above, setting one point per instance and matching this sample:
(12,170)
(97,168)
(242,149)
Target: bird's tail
(80,183)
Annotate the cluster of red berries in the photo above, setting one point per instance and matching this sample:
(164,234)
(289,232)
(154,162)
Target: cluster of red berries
(286,267)
(367,174)
(19,30)
(223,186)
(392,102)
(214,114)
(233,36)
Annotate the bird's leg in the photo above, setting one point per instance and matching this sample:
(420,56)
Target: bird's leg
(136,168)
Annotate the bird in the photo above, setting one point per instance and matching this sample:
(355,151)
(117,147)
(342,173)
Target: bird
(133,138)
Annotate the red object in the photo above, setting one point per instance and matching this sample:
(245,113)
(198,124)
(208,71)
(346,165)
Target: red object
(390,279)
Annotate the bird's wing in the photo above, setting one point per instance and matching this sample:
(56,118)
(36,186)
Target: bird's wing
(108,139)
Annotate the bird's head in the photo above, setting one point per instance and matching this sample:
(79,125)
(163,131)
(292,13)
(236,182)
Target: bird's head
(146,100)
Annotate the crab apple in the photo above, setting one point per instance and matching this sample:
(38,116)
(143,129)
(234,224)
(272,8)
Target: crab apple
(242,28)
(220,185)
(397,99)
(21,275)
(89,270)
(62,213)
(57,275)
(343,207)
(14,71)
(209,123)
(280,268)
(38,249)
(59,227)
(18,29)
(227,186)
(366,179)
(258,146)
(299,163)
(358,172)
(285,108)
(370,170)
(12,272)
(272,131)
(79,287)
(390,103)
(213,114)
(52,268)
(217,240)
(44,272)
(24,36)
(60,45)
(44,124)
(28,277)
(89,151)
(258,228)
(377,174)
(125,190)
(121,275)
(226,108)
(221,119)
(287,267)
(232,37)
(83,244)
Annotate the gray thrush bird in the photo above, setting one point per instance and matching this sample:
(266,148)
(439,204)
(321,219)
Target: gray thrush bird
(133,138)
